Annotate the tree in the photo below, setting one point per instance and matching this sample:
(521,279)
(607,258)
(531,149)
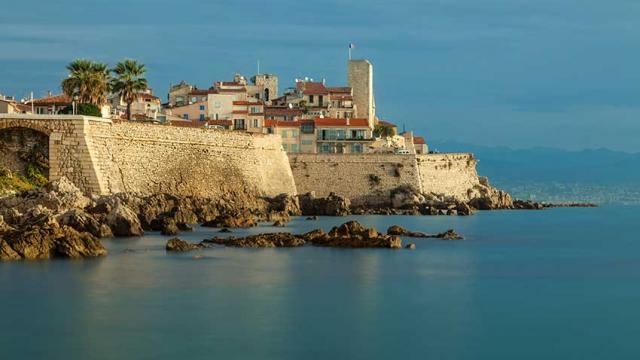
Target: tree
(383,131)
(88,82)
(83,109)
(128,81)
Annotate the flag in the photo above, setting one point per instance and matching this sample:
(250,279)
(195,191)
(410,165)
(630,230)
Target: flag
(352,45)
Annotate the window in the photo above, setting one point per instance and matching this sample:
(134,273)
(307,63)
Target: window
(201,107)
(320,99)
(306,142)
(307,128)
(325,148)
(356,148)
(201,117)
(256,123)
(217,104)
(294,148)
(310,99)
(285,147)
(269,130)
(284,134)
(185,116)
(294,133)
(254,109)
(238,124)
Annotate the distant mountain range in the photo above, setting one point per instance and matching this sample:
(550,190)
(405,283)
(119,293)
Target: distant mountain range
(598,175)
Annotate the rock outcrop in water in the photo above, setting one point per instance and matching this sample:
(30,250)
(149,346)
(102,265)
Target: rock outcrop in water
(400,231)
(179,245)
(270,240)
(353,235)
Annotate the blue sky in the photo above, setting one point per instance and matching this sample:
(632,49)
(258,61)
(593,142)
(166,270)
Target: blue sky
(558,73)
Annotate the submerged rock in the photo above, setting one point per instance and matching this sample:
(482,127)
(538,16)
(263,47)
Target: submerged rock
(179,245)
(449,235)
(270,240)
(400,231)
(410,246)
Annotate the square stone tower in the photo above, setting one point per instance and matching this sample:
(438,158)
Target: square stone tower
(266,85)
(361,81)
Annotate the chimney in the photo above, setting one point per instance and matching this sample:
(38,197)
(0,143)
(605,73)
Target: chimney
(49,93)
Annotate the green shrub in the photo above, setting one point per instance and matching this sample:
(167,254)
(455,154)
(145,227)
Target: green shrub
(35,176)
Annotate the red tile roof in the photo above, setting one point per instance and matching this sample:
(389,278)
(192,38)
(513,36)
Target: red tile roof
(341,90)
(312,88)
(340,97)
(341,122)
(418,140)
(281,111)
(53,100)
(239,102)
(281,123)
(202,92)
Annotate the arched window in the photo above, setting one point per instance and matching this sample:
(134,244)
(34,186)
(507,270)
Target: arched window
(266,94)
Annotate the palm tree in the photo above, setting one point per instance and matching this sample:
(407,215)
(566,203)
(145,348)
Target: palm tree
(88,81)
(128,81)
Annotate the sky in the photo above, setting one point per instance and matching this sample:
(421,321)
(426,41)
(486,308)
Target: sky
(517,73)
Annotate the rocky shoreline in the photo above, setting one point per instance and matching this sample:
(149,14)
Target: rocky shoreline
(348,235)
(58,220)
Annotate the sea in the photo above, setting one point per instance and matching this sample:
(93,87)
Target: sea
(553,284)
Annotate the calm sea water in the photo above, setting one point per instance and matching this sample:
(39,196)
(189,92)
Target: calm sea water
(554,284)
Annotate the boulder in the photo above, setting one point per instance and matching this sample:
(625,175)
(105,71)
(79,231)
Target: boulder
(179,245)
(286,204)
(410,246)
(332,205)
(279,223)
(405,197)
(49,240)
(83,222)
(123,221)
(169,227)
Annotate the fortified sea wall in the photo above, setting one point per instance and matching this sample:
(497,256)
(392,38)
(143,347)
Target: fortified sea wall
(370,178)
(102,157)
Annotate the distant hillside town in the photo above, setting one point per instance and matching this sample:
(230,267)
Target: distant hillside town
(310,117)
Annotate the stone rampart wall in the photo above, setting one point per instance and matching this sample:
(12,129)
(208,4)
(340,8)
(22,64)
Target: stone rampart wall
(204,162)
(370,178)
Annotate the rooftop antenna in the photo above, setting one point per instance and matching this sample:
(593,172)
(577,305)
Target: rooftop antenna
(258,66)
(404,127)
